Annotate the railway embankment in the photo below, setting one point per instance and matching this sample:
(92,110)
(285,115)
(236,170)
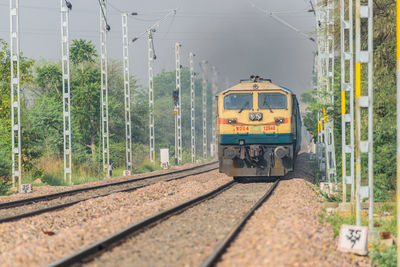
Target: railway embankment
(285,231)
(42,239)
(42,190)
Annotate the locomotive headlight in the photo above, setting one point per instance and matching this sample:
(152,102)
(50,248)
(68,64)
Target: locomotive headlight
(279,120)
(259,116)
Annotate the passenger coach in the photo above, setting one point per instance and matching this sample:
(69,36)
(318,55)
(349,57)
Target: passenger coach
(258,129)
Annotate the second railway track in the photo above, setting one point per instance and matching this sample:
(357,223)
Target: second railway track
(183,235)
(15,210)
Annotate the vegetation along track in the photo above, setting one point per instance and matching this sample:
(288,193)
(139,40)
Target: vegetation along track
(15,210)
(182,235)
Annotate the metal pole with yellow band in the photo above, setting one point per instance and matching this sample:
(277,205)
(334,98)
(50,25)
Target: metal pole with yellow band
(364,100)
(398,125)
(347,87)
(358,115)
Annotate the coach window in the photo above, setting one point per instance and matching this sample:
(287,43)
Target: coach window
(272,101)
(238,101)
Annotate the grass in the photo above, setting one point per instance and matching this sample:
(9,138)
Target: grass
(51,172)
(384,256)
(387,218)
(380,254)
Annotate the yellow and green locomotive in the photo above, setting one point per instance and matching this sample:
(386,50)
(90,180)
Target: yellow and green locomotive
(258,129)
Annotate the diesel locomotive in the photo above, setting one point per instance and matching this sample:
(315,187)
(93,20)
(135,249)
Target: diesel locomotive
(258,128)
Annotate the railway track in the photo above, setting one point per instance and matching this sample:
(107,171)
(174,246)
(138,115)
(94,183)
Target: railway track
(179,228)
(10,211)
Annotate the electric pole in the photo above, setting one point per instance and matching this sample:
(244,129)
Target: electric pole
(214,91)
(66,85)
(330,78)
(15,93)
(320,61)
(177,109)
(347,74)
(398,125)
(151,58)
(104,28)
(364,101)
(127,93)
(192,109)
(204,85)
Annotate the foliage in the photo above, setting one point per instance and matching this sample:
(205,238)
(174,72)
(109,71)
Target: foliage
(386,258)
(82,52)
(42,119)
(384,102)
(26,78)
(337,221)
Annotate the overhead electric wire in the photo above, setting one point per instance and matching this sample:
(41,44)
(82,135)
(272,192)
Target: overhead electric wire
(104,15)
(280,20)
(169,27)
(290,11)
(155,24)
(115,8)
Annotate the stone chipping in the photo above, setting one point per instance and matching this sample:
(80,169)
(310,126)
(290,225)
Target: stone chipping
(42,239)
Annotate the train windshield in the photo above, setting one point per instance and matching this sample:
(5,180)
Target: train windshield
(272,101)
(238,101)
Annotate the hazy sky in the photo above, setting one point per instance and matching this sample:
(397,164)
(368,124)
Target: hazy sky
(232,35)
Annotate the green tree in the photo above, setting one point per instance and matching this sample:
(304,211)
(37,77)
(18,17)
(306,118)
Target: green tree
(85,93)
(81,52)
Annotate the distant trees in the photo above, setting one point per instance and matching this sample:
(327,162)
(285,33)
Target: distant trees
(42,125)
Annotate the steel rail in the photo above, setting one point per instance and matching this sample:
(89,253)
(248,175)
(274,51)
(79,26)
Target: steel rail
(70,203)
(117,237)
(213,258)
(34,200)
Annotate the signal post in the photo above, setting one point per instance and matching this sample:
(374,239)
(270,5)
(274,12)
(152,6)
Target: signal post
(177,107)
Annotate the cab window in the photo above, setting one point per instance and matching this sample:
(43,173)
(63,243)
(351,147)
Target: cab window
(238,101)
(272,101)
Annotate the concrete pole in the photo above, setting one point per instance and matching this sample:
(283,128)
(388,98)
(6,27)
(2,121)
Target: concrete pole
(66,85)
(398,125)
(358,112)
(178,132)
(204,85)
(192,109)
(15,93)
(104,87)
(127,92)
(370,115)
(151,57)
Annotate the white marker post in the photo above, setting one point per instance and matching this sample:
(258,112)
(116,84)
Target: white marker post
(353,239)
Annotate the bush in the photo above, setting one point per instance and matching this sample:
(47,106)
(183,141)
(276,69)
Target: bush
(386,257)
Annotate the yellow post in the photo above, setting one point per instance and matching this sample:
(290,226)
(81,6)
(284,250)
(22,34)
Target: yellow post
(343,102)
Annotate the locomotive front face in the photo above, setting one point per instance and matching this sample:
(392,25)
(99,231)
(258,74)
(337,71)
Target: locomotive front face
(256,130)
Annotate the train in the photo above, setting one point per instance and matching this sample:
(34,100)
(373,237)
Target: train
(258,128)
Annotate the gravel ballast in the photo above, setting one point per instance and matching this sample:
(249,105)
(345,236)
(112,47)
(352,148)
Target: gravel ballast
(285,231)
(103,191)
(42,239)
(46,189)
(189,237)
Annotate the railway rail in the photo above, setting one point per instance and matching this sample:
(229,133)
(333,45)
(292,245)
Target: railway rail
(219,250)
(146,225)
(10,211)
